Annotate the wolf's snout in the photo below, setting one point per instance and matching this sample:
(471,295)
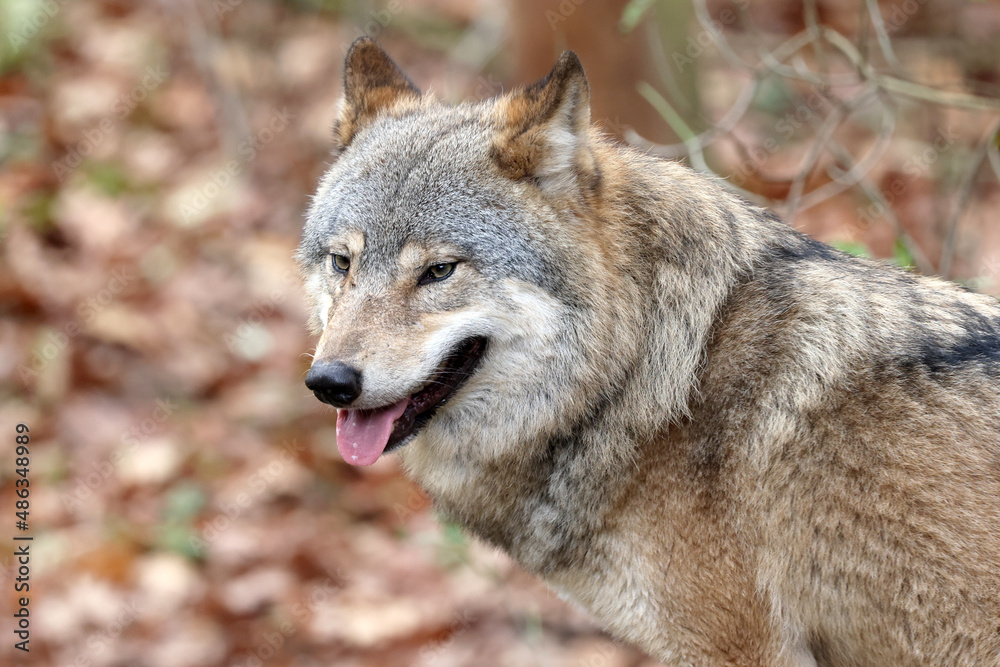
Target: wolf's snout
(334,382)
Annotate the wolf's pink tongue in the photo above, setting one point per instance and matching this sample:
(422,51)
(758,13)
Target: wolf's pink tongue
(363,434)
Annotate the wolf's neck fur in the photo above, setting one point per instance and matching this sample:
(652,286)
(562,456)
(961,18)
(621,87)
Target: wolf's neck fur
(717,343)
(702,242)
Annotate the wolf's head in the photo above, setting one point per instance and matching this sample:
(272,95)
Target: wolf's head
(466,270)
(443,291)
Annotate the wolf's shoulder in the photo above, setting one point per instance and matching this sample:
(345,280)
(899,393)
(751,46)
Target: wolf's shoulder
(922,325)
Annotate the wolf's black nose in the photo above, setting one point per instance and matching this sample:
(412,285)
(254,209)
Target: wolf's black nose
(334,382)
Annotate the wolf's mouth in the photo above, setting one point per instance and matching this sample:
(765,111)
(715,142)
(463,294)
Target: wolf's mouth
(364,435)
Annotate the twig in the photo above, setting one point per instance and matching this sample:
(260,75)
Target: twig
(663,68)
(864,23)
(705,19)
(964,193)
(772,60)
(812,25)
(890,83)
(920,259)
(908,88)
(860,168)
(830,125)
(785,60)
(709,136)
(695,149)
(882,35)
(676,123)
(993,152)
(748,158)
(230,117)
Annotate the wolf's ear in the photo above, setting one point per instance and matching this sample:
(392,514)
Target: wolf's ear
(546,127)
(372,83)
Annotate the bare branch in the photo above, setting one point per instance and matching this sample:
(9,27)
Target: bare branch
(808,164)
(705,19)
(812,26)
(882,35)
(230,117)
(860,168)
(908,88)
(705,139)
(790,61)
(964,193)
(873,193)
(993,152)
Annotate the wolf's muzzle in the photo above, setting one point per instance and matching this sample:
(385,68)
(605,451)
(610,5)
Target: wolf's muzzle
(334,382)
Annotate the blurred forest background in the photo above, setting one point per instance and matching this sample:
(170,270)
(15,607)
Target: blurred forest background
(188,505)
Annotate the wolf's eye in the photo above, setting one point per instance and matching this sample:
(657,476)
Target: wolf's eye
(437,272)
(340,263)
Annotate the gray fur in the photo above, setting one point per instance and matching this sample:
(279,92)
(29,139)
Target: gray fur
(412,188)
(730,442)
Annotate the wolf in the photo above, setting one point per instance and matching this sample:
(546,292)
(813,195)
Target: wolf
(730,443)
